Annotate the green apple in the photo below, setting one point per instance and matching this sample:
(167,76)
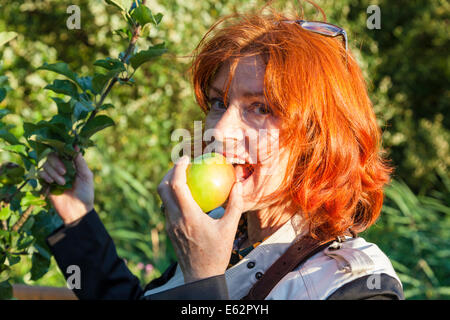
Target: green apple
(210,179)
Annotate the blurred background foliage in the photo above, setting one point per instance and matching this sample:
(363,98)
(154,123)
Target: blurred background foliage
(405,63)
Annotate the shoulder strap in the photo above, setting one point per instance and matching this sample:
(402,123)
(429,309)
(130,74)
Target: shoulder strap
(295,255)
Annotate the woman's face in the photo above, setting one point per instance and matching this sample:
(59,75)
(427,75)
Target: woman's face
(245,130)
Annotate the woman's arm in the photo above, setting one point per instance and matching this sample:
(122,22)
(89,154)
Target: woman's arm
(86,255)
(82,247)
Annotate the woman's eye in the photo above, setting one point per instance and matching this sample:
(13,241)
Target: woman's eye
(217,104)
(262,109)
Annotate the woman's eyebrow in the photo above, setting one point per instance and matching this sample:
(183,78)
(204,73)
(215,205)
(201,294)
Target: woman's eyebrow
(246,94)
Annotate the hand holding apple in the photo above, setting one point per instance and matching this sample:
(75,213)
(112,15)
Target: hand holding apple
(202,244)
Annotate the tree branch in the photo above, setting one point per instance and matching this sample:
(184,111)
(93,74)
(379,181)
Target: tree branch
(8,200)
(23,218)
(128,52)
(4,224)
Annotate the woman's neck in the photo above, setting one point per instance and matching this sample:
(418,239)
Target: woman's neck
(263,223)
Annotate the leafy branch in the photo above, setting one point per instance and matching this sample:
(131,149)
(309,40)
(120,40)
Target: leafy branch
(25,212)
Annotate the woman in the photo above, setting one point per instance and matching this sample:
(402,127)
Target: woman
(261,79)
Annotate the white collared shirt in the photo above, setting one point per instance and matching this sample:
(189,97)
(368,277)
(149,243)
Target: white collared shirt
(316,279)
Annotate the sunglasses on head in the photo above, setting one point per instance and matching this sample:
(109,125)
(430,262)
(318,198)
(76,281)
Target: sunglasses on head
(323,28)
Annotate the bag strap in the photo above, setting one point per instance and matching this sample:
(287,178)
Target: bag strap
(295,255)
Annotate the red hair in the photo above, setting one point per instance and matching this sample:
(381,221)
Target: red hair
(336,171)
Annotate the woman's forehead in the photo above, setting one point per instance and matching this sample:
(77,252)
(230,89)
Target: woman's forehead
(247,78)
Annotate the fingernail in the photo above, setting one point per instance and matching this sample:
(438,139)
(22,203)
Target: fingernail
(61,181)
(183,160)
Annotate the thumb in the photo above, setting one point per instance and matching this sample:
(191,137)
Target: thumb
(235,206)
(82,167)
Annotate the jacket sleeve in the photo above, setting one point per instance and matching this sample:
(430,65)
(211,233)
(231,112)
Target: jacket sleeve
(388,289)
(86,244)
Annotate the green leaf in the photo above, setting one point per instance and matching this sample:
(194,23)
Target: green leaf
(65,87)
(57,189)
(25,241)
(13,259)
(157,19)
(6,290)
(40,265)
(4,112)
(45,223)
(7,191)
(33,183)
(85,83)
(4,126)
(63,106)
(29,128)
(31,174)
(106,106)
(81,109)
(43,153)
(96,124)
(110,64)
(6,37)
(70,168)
(8,137)
(5,212)
(147,55)
(56,144)
(18,148)
(85,143)
(60,68)
(51,135)
(125,33)
(50,130)
(100,80)
(62,119)
(30,199)
(41,149)
(143,15)
(2,94)
(123,5)
(3,81)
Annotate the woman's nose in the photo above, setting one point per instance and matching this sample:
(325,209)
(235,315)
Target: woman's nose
(229,126)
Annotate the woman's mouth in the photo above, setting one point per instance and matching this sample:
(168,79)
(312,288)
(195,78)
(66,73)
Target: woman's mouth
(242,166)
(243,171)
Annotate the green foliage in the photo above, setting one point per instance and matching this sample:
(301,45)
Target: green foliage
(405,63)
(415,233)
(76,121)
(147,55)
(5,37)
